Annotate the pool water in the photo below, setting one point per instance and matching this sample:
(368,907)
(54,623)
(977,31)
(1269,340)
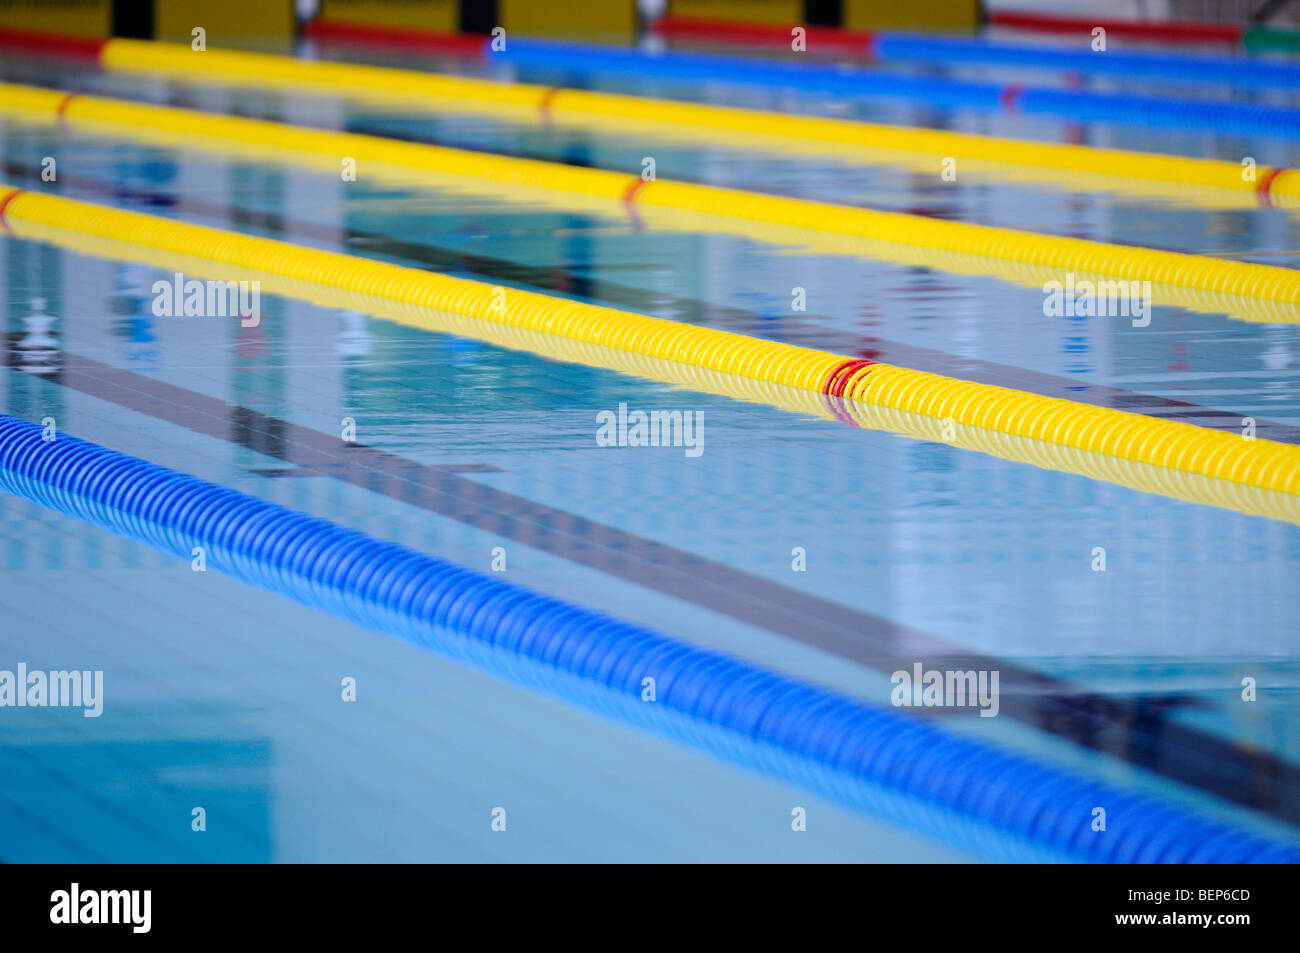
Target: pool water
(830,553)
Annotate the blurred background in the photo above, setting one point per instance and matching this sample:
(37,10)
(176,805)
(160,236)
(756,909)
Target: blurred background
(226,696)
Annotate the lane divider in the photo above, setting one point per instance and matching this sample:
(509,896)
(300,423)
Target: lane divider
(890,47)
(366,285)
(1201,282)
(870,758)
(1207,182)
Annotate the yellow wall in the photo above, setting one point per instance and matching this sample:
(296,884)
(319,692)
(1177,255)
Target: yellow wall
(439,15)
(936,14)
(781,12)
(941,14)
(534,18)
(70,17)
(224,20)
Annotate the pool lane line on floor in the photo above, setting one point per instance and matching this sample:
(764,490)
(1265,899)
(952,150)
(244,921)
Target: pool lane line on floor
(1073,167)
(867,757)
(807,329)
(1241,289)
(322,276)
(1124,728)
(889,46)
(1141,477)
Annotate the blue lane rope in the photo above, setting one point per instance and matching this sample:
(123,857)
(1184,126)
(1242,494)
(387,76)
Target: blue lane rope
(1237,70)
(967,792)
(854,83)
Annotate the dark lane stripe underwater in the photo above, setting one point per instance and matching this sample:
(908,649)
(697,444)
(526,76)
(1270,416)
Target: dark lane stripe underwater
(1136,730)
(873,759)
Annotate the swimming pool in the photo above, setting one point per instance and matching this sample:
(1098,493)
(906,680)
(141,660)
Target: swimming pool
(825,547)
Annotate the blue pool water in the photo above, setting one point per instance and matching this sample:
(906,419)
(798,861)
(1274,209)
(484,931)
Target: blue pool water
(227,697)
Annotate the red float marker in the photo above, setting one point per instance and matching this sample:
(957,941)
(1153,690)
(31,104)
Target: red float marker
(629,200)
(1265,183)
(840,378)
(61,112)
(544,104)
(4,205)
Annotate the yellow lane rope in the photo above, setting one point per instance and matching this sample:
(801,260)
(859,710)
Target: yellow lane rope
(337,280)
(1210,182)
(1240,289)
